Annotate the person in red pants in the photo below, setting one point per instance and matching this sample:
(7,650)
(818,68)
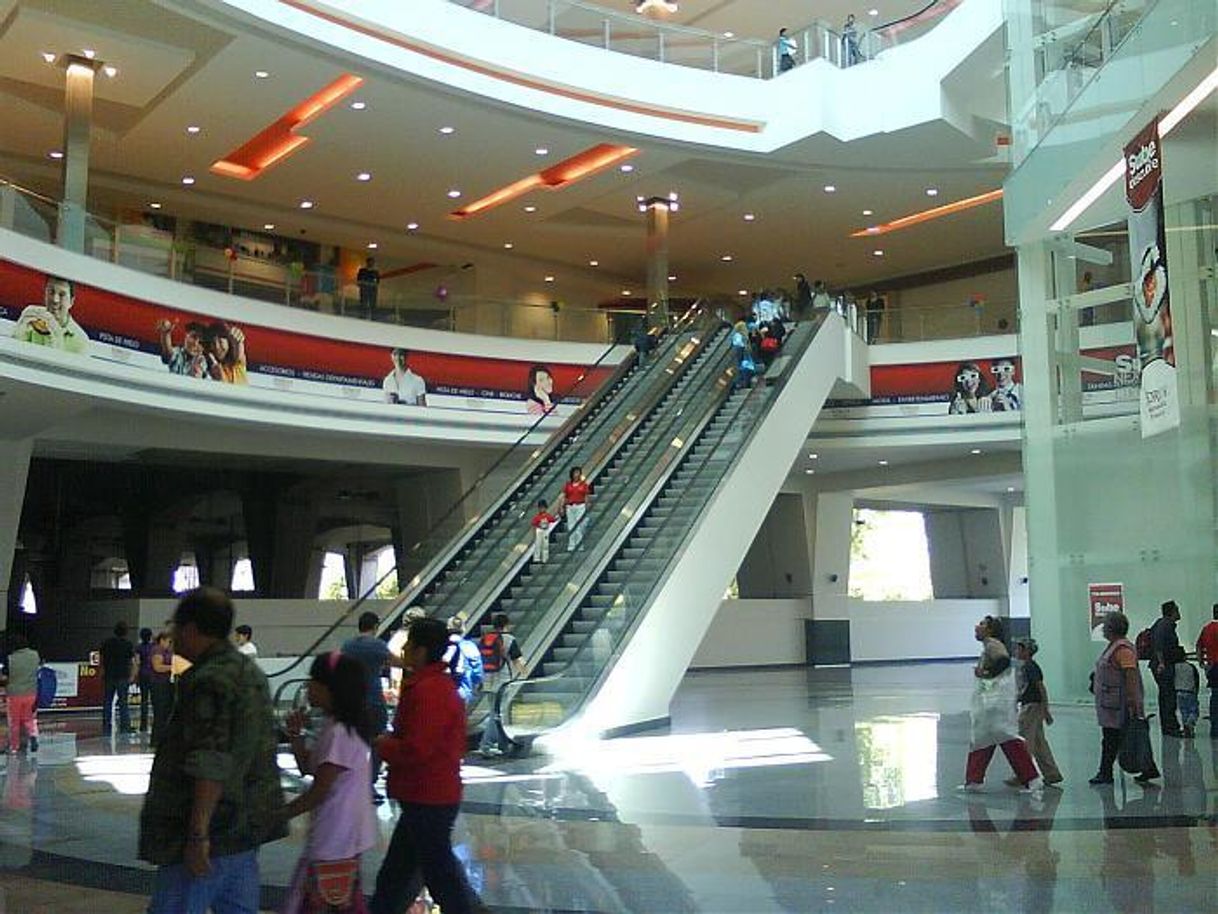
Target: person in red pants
(20,680)
(994,714)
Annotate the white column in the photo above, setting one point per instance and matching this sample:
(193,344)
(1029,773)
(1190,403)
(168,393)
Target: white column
(77,126)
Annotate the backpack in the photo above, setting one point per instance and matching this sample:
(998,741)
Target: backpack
(473,661)
(47,685)
(1145,644)
(769,344)
(490,646)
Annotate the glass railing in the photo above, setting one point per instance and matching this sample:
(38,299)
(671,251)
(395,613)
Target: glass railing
(235,271)
(603,624)
(721,52)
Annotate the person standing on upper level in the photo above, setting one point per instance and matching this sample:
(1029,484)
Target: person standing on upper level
(785,46)
(850,43)
(575,505)
(369,281)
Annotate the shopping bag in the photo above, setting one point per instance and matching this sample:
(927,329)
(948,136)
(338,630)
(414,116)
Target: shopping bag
(1135,754)
(334,886)
(994,716)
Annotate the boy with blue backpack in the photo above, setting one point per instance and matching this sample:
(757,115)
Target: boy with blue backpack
(464,661)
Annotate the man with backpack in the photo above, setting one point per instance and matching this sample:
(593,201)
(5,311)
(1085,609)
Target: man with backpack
(464,661)
(1163,641)
(502,661)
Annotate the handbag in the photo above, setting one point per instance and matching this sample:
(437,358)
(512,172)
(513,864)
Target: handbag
(994,715)
(1135,754)
(334,886)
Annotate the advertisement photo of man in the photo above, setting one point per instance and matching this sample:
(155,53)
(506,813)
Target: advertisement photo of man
(402,385)
(51,324)
(1007,395)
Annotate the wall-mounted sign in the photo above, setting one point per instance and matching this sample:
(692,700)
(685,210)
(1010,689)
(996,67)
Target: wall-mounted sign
(1101,600)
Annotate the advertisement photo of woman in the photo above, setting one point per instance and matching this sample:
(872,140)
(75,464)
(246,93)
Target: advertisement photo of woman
(538,391)
(971,394)
(226,347)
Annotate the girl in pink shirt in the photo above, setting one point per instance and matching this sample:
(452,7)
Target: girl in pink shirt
(342,824)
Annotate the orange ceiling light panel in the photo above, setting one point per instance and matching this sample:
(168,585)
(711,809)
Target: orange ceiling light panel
(581,165)
(935,212)
(278,141)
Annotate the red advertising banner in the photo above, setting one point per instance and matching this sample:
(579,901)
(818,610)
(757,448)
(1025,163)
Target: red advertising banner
(1101,600)
(1152,323)
(46,311)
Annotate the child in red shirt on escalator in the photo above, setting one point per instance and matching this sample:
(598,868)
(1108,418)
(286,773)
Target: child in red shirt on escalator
(543,523)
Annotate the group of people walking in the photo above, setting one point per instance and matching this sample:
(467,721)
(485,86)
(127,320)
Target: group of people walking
(214,794)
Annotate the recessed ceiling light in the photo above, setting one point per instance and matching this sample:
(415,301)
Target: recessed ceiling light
(868,212)
(549,279)
(358,106)
(672,278)
(364,176)
(749,217)
(975,451)
(541,151)
(729,34)
(1010,488)
(268,226)
(306,204)
(883,463)
(726,258)
(742,291)
(372,245)
(49,57)
(810,472)
(55,154)
(110,71)
(530,208)
(873,12)
(448,131)
(878,253)
(830,188)
(188,180)
(627,292)
(412,226)
(193,129)
(454,193)
(261,74)
(627,169)
(932,191)
(814,456)
(154,205)
(89,53)
(594,263)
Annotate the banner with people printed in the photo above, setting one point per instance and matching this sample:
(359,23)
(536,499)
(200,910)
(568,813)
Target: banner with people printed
(1152,323)
(49,311)
(978,386)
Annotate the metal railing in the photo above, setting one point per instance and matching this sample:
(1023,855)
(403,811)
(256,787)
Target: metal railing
(266,278)
(721,52)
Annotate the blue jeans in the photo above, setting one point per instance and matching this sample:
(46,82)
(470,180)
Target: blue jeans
(230,888)
(116,690)
(1189,708)
(379,719)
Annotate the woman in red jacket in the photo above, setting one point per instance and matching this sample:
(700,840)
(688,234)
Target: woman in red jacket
(424,757)
(575,505)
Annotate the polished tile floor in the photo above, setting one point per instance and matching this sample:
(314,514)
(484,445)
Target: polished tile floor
(779,790)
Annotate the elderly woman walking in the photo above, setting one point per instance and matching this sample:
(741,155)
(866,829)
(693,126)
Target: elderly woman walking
(994,715)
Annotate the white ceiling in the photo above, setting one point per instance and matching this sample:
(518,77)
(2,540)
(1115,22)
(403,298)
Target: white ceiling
(143,156)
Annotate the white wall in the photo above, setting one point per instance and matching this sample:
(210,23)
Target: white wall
(468,51)
(754,633)
(900,630)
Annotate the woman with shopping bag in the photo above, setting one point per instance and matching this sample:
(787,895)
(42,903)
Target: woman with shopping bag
(1119,706)
(994,714)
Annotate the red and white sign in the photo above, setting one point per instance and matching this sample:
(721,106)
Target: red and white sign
(1101,600)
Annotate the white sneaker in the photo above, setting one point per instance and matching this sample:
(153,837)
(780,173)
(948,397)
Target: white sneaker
(1036,785)
(970,788)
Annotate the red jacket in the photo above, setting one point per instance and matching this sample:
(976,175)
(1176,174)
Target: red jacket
(424,752)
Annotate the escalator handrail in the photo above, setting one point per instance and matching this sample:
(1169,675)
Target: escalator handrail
(560,434)
(518,551)
(512,688)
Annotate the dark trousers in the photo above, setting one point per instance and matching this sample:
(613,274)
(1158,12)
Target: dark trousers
(1110,745)
(421,852)
(1211,678)
(163,696)
(1169,724)
(116,691)
(379,717)
(145,684)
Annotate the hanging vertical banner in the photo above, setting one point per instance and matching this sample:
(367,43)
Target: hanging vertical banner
(1101,600)
(1151,299)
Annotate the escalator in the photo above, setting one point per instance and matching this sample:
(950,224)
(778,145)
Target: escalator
(609,654)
